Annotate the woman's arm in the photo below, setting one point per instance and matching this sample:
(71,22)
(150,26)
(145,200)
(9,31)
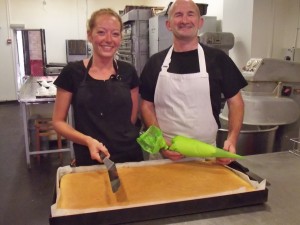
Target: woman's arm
(135,104)
(60,113)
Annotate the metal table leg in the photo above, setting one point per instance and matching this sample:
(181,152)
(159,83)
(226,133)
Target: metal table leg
(24,108)
(26,135)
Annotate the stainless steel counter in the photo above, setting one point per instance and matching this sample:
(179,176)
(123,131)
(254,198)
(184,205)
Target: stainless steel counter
(30,95)
(29,90)
(282,170)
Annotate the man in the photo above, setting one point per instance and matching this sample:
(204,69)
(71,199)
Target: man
(181,86)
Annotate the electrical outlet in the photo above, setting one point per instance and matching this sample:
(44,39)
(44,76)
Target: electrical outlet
(289,54)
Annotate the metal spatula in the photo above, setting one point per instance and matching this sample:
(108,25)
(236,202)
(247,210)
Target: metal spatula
(112,172)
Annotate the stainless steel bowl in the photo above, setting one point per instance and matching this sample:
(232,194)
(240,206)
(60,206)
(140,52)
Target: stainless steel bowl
(252,140)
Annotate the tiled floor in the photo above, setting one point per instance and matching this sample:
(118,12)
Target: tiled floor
(26,194)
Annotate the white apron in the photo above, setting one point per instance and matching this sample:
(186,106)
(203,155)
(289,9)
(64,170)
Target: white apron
(183,104)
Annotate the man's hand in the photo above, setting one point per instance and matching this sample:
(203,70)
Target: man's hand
(171,155)
(229,147)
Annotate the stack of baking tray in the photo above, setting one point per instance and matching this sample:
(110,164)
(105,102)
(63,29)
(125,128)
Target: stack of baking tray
(134,48)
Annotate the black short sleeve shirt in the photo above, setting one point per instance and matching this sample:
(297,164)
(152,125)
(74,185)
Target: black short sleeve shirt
(224,76)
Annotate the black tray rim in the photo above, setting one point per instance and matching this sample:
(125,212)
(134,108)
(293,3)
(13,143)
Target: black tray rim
(164,210)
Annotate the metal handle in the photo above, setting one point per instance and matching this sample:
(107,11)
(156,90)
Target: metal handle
(238,166)
(102,155)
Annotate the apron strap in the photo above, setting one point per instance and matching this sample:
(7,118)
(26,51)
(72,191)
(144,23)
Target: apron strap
(202,64)
(89,65)
(166,63)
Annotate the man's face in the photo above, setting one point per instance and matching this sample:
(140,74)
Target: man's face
(184,20)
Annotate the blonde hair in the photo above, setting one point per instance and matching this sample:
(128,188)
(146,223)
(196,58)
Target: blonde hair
(105,11)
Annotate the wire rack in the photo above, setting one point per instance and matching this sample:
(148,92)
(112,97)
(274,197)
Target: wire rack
(296,146)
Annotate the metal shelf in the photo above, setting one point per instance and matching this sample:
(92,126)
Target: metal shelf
(28,97)
(296,146)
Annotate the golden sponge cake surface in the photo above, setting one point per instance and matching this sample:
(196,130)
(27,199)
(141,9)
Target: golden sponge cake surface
(149,184)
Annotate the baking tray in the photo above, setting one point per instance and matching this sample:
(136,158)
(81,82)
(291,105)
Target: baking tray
(169,209)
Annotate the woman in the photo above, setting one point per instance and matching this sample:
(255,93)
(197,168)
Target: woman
(104,95)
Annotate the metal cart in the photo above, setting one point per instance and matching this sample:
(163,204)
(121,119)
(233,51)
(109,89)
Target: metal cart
(29,96)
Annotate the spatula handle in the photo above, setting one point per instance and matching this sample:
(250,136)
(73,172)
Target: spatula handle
(102,155)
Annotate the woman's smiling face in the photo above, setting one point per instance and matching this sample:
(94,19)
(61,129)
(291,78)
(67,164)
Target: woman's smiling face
(106,35)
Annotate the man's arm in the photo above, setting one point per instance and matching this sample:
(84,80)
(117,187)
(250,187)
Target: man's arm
(235,120)
(148,113)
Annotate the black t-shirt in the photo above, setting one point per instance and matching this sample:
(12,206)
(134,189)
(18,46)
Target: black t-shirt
(72,75)
(113,129)
(224,76)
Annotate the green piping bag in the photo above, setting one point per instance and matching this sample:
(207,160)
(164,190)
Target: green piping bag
(193,148)
(152,141)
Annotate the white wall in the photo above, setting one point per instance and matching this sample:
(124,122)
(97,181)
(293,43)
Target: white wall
(67,19)
(262,28)
(237,19)
(215,7)
(288,31)
(262,38)
(7,79)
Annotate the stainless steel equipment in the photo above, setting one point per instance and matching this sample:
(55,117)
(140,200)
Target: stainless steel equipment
(296,146)
(135,45)
(160,37)
(29,97)
(220,40)
(253,139)
(76,50)
(54,69)
(272,98)
(209,24)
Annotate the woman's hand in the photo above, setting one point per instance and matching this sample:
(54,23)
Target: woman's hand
(95,147)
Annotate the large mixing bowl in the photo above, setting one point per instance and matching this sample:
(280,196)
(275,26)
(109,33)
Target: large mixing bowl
(252,140)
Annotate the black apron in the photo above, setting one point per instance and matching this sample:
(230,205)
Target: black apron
(102,110)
